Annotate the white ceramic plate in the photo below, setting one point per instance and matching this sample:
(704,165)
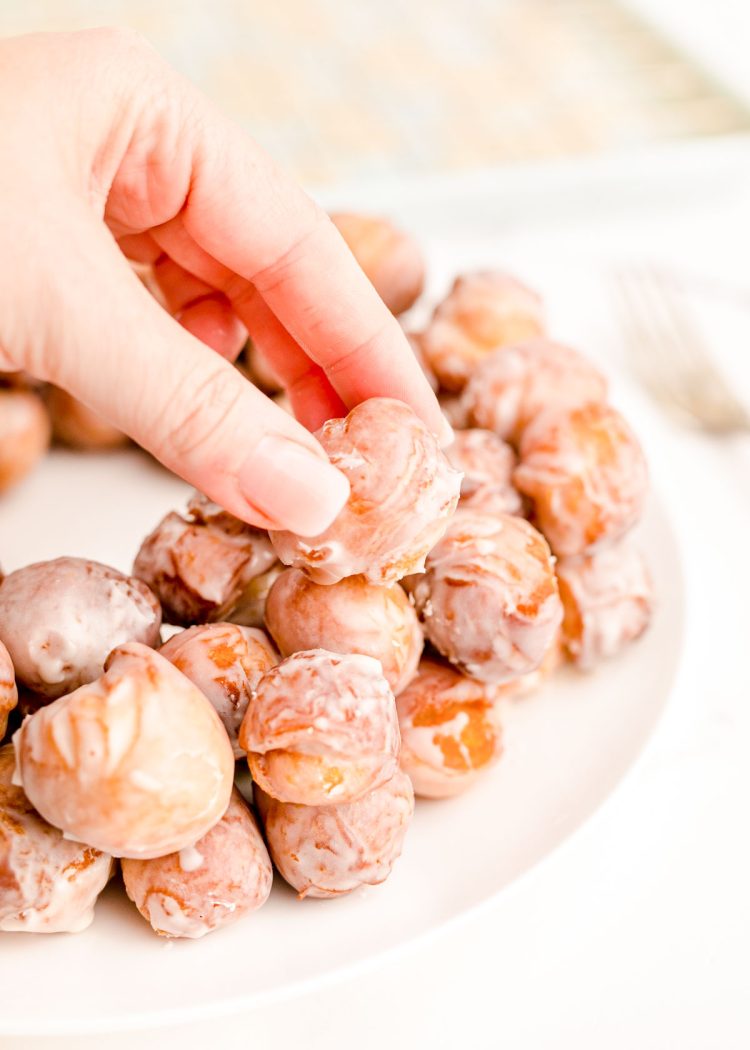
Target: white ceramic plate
(566,748)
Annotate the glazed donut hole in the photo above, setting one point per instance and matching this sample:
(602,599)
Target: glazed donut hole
(351,616)
(526,685)
(487,464)
(24,434)
(49,883)
(32,413)
(512,385)
(136,763)
(8,689)
(488,598)
(585,475)
(328,851)
(403,491)
(450,730)
(226,662)
(60,619)
(482,312)
(207,566)
(76,425)
(390,258)
(225,876)
(607,599)
(321,729)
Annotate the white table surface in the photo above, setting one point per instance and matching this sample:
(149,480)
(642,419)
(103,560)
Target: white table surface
(636,932)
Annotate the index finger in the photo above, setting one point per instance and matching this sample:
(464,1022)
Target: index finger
(258,223)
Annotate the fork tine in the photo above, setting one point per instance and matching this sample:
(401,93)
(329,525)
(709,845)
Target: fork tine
(714,392)
(661,298)
(676,370)
(668,353)
(644,337)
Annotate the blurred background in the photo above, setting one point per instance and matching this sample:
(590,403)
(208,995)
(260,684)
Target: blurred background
(341,90)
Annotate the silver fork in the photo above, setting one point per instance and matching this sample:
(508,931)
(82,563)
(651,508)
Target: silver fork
(669,354)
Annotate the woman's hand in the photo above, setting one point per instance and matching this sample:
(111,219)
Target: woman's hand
(108,153)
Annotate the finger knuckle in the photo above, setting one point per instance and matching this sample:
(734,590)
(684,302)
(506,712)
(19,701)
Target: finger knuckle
(353,356)
(198,417)
(276,271)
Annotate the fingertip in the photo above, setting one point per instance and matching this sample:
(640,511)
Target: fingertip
(292,486)
(214,322)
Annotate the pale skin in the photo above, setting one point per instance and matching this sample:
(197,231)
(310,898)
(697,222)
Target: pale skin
(109,155)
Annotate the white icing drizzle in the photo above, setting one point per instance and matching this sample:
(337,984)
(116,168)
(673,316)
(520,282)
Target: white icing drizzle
(401,498)
(488,599)
(190,859)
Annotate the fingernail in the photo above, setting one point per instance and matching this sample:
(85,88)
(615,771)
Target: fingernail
(292,485)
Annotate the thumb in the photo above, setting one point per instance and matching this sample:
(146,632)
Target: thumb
(117,350)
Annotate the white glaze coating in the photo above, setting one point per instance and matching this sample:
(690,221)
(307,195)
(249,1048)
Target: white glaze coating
(487,464)
(8,690)
(60,620)
(391,258)
(226,875)
(483,311)
(450,730)
(322,728)
(326,851)
(48,884)
(527,684)
(403,491)
(585,473)
(512,385)
(488,599)
(189,859)
(226,662)
(200,566)
(608,599)
(136,763)
(351,616)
